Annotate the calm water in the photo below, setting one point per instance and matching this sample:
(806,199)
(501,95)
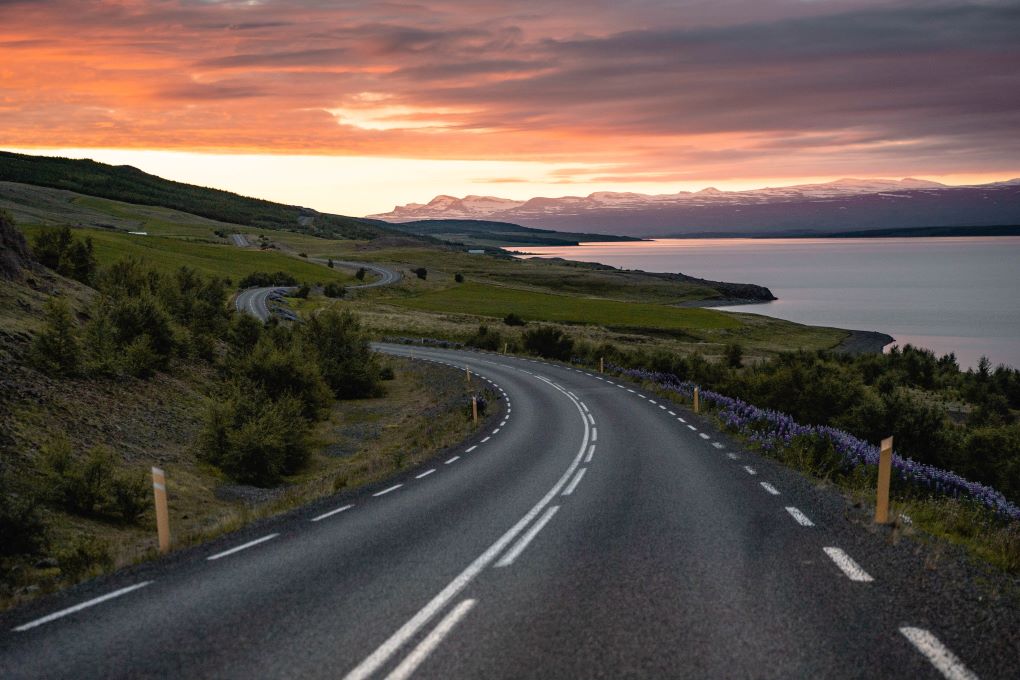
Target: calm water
(957,295)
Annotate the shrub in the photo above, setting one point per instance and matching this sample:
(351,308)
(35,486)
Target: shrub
(91,485)
(279,372)
(334,290)
(329,263)
(254,440)
(343,353)
(86,555)
(264,279)
(548,342)
(304,255)
(140,359)
(303,291)
(734,355)
(66,255)
(244,332)
(56,349)
(458,277)
(421,273)
(21,529)
(360,275)
(513,319)
(485,338)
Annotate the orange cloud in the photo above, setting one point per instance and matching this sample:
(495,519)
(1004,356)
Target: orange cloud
(649,91)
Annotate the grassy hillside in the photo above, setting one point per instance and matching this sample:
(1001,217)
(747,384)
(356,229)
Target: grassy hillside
(167,254)
(125,183)
(498,301)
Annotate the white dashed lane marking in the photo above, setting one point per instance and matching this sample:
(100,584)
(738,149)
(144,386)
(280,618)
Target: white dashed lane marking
(801,518)
(386,491)
(851,569)
(771,489)
(337,511)
(938,654)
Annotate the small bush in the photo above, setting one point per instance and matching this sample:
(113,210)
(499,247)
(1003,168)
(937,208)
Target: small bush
(458,277)
(56,350)
(734,355)
(263,280)
(87,555)
(244,332)
(91,485)
(548,342)
(334,290)
(486,339)
(421,273)
(360,275)
(304,255)
(303,291)
(21,530)
(329,263)
(140,358)
(513,319)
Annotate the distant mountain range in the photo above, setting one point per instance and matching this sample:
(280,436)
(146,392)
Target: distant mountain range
(833,207)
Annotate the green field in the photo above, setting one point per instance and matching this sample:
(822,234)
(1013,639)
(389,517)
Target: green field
(169,254)
(498,301)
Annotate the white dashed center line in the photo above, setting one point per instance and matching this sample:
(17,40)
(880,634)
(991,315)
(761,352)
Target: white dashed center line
(801,518)
(425,474)
(851,569)
(333,512)
(470,448)
(452,460)
(938,654)
(386,491)
(243,546)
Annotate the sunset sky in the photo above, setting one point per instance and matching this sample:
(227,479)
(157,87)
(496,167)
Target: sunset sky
(354,107)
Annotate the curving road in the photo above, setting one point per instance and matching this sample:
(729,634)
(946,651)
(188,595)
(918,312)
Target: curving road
(255,301)
(594,532)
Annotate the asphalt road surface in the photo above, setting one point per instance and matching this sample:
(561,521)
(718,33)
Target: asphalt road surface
(592,531)
(255,301)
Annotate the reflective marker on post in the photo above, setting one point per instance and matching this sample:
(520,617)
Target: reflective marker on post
(884,475)
(162,512)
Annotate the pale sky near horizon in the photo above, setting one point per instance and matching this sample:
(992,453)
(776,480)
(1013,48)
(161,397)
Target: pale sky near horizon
(356,106)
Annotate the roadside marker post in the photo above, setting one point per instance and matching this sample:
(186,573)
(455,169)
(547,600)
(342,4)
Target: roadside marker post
(884,477)
(467,373)
(506,346)
(697,400)
(474,409)
(162,512)
(602,364)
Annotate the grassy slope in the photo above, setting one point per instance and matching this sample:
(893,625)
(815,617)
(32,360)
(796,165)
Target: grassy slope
(497,301)
(210,259)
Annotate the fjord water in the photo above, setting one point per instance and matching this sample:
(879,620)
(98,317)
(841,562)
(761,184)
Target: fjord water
(957,295)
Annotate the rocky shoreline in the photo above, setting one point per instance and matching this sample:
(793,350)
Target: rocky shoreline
(864,342)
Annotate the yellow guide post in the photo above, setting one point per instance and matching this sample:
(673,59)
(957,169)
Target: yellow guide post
(162,512)
(884,476)
(697,400)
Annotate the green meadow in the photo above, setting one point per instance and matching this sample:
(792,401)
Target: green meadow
(498,301)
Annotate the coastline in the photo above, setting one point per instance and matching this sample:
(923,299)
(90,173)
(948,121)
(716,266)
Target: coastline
(863,342)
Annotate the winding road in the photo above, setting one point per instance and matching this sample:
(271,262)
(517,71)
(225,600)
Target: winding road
(592,531)
(255,301)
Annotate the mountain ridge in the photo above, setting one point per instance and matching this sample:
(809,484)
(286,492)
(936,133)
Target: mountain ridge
(867,203)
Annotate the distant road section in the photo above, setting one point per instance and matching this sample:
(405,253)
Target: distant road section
(239,240)
(255,301)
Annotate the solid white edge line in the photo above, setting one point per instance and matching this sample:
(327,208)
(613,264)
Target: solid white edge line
(331,513)
(424,648)
(522,543)
(574,482)
(243,546)
(399,638)
(594,434)
(801,518)
(78,607)
(851,569)
(386,491)
(425,474)
(947,663)
(771,489)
